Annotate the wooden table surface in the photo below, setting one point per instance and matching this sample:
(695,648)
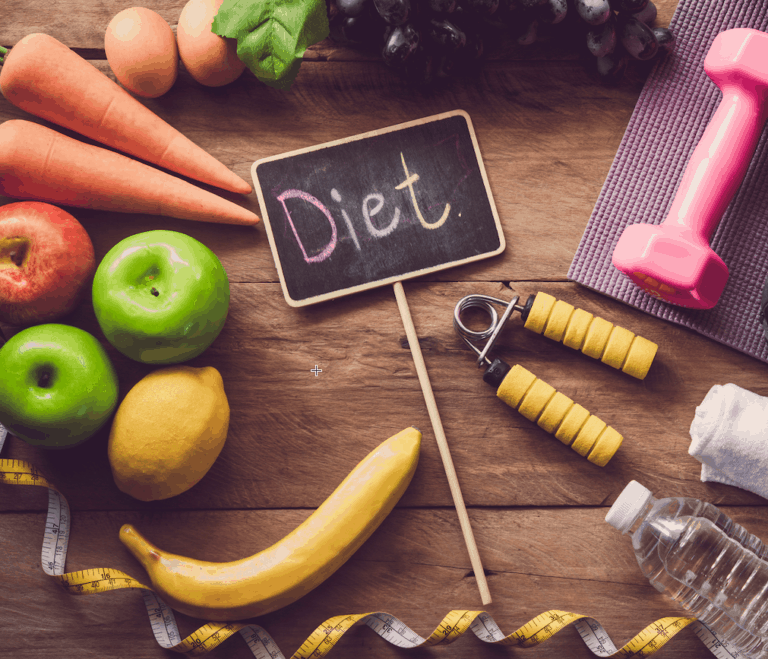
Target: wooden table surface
(548,132)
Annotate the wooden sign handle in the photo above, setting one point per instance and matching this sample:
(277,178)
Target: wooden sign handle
(442,442)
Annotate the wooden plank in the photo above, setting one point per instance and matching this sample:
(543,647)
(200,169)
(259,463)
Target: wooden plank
(82,26)
(547,147)
(294,436)
(413,567)
(548,133)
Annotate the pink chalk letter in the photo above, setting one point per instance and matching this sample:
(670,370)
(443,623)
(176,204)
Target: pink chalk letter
(300,194)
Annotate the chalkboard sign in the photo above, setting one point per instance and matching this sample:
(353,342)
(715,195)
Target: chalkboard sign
(377,208)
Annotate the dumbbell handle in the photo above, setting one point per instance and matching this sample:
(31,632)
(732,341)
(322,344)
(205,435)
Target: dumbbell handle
(569,422)
(594,336)
(719,162)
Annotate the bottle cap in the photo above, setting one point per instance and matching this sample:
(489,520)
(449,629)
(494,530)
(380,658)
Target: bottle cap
(628,506)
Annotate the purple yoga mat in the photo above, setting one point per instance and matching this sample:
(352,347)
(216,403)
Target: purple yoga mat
(671,114)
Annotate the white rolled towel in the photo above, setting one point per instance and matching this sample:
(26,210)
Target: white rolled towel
(729,437)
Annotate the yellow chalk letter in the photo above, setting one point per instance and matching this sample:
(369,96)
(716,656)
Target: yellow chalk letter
(410,179)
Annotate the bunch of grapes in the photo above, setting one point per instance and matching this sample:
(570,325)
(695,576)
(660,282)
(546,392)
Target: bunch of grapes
(615,38)
(432,39)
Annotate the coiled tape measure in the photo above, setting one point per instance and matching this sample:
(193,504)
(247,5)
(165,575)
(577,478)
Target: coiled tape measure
(322,640)
(538,401)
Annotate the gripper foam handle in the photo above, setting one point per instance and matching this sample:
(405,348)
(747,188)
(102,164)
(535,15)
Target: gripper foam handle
(559,415)
(594,336)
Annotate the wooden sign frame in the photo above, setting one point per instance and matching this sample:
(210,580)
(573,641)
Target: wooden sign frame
(394,278)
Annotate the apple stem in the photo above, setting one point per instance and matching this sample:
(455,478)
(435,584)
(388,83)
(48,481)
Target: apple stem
(44,380)
(17,258)
(154,291)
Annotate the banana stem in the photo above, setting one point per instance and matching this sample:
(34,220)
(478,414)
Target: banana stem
(143,550)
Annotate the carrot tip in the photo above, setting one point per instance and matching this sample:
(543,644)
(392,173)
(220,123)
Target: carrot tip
(243,187)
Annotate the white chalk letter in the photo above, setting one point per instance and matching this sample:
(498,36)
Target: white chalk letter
(369,213)
(337,198)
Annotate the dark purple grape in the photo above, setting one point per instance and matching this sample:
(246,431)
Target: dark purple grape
(628,6)
(442,6)
(446,35)
(363,29)
(594,12)
(506,12)
(463,17)
(447,66)
(451,64)
(420,68)
(351,7)
(553,11)
(611,68)
(602,39)
(647,15)
(665,38)
(475,48)
(394,12)
(482,7)
(527,4)
(528,33)
(491,31)
(401,43)
(637,38)
(475,27)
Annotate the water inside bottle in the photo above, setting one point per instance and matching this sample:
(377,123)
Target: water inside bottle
(719,579)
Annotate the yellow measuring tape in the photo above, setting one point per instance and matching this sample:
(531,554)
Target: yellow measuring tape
(322,640)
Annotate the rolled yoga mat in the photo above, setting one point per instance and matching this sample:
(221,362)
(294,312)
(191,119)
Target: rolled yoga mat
(673,110)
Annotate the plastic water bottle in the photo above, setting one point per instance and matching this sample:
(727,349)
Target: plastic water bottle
(698,556)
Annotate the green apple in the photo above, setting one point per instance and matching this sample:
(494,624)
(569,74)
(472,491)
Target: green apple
(58,385)
(161,297)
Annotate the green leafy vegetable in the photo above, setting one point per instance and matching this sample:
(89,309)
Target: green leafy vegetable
(272,35)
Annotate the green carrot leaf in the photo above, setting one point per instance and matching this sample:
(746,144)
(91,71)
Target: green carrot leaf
(272,35)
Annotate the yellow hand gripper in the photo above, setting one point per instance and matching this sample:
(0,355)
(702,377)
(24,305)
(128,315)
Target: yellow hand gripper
(536,400)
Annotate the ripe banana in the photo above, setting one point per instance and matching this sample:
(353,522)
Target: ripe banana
(302,560)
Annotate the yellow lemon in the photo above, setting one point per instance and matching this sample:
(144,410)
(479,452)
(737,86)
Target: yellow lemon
(168,431)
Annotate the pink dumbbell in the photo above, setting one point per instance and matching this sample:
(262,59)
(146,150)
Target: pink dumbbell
(673,260)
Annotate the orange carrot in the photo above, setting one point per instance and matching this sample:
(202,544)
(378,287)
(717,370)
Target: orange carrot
(45,78)
(39,163)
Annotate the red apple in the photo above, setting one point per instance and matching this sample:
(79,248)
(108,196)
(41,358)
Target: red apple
(46,262)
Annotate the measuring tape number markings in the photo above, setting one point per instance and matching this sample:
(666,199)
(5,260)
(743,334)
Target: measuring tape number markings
(322,640)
